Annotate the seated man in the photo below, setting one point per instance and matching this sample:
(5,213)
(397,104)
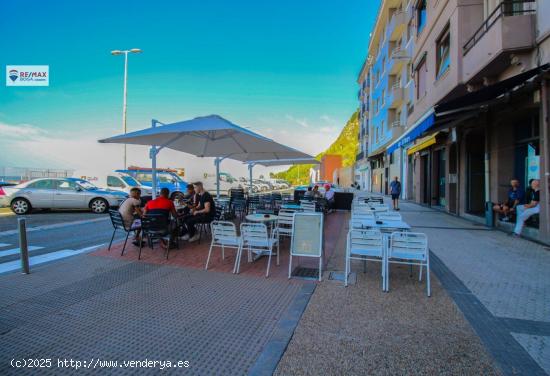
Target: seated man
(130,210)
(329,195)
(161,205)
(190,199)
(309,193)
(316,193)
(527,210)
(515,197)
(204,212)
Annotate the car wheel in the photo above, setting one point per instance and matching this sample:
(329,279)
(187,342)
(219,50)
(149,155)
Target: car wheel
(99,205)
(20,206)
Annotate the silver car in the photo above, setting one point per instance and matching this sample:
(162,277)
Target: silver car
(69,193)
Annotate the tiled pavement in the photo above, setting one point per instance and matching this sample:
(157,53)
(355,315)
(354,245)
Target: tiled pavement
(502,285)
(95,307)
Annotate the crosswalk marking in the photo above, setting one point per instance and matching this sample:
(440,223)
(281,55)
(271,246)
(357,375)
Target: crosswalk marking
(15,251)
(36,260)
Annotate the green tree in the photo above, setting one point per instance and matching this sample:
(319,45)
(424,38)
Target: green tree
(346,145)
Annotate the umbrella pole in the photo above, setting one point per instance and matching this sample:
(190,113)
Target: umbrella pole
(153,155)
(217,163)
(250,166)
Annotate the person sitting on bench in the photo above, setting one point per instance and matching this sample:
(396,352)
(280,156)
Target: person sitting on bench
(516,196)
(528,210)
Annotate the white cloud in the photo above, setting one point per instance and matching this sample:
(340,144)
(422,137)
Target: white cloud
(302,122)
(20,130)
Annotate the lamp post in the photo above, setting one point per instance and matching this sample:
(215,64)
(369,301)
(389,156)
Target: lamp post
(125,53)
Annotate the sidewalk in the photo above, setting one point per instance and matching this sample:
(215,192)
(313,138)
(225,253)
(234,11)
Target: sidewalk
(489,312)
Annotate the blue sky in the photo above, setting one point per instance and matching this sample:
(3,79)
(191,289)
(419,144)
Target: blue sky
(286,69)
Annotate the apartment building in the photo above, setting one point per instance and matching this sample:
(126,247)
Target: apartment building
(385,90)
(479,115)
(362,165)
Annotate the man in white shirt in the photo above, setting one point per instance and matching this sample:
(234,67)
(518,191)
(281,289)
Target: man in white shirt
(129,209)
(329,195)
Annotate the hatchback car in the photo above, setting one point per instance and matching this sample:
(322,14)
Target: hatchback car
(69,193)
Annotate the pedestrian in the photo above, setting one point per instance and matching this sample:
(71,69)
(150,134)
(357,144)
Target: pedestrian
(524,212)
(395,190)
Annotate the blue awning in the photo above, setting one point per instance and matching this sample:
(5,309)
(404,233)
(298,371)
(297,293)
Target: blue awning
(413,134)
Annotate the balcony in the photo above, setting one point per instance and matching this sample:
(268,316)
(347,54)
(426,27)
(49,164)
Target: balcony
(397,25)
(508,29)
(398,58)
(396,97)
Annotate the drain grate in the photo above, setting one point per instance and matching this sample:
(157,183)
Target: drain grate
(307,273)
(339,276)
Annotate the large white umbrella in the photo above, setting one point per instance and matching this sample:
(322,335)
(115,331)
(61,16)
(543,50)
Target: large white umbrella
(207,136)
(278,162)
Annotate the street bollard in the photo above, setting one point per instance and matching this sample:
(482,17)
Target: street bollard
(21,224)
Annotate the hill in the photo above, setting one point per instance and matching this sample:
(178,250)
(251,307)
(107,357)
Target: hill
(345,145)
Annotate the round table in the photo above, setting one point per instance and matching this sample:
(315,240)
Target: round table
(261,218)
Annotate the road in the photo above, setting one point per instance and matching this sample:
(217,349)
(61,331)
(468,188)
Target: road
(53,235)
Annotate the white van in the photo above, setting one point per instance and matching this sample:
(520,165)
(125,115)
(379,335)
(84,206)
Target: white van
(115,181)
(226,182)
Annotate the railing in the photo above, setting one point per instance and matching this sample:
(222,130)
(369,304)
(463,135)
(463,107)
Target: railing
(504,9)
(396,124)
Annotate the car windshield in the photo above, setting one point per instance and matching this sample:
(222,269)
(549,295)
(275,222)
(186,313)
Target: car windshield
(86,184)
(166,177)
(130,181)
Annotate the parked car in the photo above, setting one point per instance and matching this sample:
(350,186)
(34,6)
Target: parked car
(245,184)
(67,193)
(261,184)
(165,179)
(115,181)
(6,184)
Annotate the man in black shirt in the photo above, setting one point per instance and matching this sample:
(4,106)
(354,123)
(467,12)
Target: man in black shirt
(529,209)
(204,212)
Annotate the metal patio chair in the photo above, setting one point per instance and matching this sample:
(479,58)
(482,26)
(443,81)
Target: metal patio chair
(365,245)
(118,223)
(224,235)
(409,248)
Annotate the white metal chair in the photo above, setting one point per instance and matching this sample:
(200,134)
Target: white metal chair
(308,206)
(365,245)
(388,216)
(285,222)
(255,237)
(409,248)
(224,235)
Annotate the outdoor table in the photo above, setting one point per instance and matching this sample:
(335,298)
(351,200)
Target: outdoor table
(291,206)
(261,218)
(385,225)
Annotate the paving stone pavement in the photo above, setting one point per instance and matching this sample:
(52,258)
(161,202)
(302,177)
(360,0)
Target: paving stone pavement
(93,307)
(506,284)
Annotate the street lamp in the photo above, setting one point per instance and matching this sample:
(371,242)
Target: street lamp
(125,53)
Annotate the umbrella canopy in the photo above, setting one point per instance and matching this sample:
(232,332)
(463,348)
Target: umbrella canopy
(210,136)
(207,136)
(283,162)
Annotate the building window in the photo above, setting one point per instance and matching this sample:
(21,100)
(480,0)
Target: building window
(443,52)
(421,79)
(420,16)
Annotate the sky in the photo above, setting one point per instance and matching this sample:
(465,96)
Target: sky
(285,69)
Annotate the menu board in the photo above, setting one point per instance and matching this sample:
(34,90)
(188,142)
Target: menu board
(307,235)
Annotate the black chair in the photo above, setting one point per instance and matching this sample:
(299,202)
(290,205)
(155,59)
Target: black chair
(118,223)
(156,226)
